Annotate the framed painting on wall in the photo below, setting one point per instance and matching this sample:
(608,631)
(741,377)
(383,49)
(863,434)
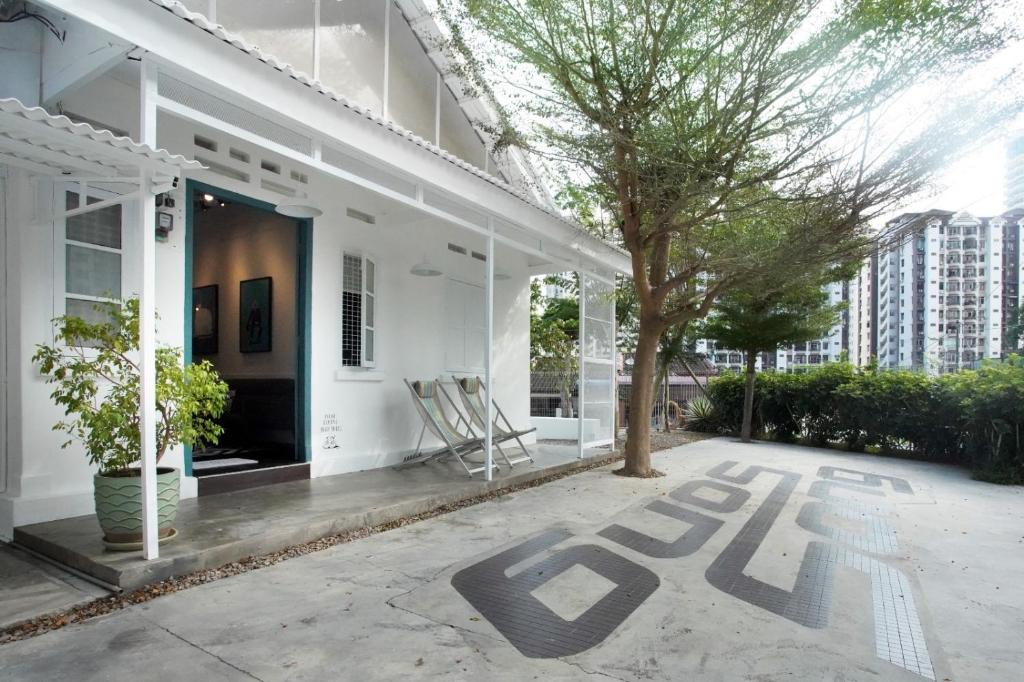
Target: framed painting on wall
(254,315)
(205,320)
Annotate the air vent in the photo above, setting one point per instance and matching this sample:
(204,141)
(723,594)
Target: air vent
(356,214)
(221,169)
(205,143)
(479,256)
(277,187)
(270,166)
(238,155)
(456,248)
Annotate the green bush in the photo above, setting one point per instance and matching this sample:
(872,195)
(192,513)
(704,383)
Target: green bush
(974,418)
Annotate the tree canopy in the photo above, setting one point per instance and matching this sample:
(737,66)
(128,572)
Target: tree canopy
(693,122)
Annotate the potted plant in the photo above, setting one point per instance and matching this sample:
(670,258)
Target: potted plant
(95,372)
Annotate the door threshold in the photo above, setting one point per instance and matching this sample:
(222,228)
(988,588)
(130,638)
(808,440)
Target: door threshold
(214,484)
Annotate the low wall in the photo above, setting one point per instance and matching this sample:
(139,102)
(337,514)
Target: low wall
(565,428)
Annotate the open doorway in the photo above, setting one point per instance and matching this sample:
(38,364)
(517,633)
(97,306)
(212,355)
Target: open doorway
(246,288)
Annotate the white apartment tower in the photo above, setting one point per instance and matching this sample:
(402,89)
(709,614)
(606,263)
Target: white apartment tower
(943,293)
(1015,172)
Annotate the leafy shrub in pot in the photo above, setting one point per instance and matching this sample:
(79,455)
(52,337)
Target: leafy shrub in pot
(94,369)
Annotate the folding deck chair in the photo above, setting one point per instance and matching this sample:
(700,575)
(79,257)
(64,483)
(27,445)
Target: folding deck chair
(456,444)
(472,390)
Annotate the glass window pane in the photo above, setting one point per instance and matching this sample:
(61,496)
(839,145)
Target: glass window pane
(101,227)
(92,272)
(457,134)
(368,314)
(412,81)
(352,49)
(370,274)
(368,349)
(280,28)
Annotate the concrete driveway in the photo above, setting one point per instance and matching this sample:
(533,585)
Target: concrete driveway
(760,562)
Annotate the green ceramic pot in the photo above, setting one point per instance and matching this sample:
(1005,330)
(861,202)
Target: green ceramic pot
(119,505)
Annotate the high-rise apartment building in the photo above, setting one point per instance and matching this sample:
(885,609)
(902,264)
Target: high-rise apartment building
(1015,172)
(943,294)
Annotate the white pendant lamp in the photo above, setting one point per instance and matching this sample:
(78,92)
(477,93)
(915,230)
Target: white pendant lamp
(299,207)
(425,269)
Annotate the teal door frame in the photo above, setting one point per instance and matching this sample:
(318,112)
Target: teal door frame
(303,308)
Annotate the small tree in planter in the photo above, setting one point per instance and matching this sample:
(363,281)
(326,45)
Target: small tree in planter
(96,375)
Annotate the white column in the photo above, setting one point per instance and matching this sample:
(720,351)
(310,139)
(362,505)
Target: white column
(147,310)
(579,373)
(489,356)
(386,91)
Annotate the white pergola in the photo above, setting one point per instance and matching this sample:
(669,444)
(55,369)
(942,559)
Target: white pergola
(56,147)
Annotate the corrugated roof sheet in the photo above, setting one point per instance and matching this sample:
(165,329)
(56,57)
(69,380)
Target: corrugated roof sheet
(14,107)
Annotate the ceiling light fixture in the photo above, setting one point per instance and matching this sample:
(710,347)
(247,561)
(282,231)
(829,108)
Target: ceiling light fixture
(299,207)
(425,269)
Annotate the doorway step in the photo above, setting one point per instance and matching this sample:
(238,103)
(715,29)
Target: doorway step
(232,480)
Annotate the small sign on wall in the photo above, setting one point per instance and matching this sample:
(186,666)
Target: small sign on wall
(329,429)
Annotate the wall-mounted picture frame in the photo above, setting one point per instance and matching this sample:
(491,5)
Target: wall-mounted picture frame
(255,315)
(205,320)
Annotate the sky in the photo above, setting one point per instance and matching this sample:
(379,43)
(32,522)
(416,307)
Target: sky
(976,182)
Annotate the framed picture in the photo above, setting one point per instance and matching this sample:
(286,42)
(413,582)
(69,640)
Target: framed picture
(204,320)
(255,298)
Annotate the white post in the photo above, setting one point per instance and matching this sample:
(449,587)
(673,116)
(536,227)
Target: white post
(489,356)
(385,94)
(147,310)
(579,373)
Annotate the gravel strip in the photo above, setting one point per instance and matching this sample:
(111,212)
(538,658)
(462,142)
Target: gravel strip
(105,605)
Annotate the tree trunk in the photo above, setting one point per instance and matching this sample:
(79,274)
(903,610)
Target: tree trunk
(641,402)
(748,398)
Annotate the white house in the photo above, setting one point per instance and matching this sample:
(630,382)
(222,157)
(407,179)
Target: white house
(347,113)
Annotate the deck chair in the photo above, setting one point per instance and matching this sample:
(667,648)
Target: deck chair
(473,395)
(425,395)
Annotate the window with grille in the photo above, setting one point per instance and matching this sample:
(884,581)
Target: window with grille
(93,251)
(358,311)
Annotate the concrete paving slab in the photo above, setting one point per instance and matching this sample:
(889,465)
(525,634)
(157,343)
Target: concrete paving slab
(762,597)
(30,587)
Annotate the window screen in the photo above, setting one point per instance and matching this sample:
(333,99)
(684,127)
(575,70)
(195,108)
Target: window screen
(358,311)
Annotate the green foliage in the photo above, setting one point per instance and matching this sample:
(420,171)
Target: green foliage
(699,415)
(96,380)
(974,418)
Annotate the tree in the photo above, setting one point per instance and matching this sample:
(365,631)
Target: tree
(689,119)
(754,322)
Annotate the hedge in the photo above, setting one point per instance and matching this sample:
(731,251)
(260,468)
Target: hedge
(972,417)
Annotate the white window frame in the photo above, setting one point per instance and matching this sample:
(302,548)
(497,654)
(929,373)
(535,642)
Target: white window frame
(129,244)
(365,293)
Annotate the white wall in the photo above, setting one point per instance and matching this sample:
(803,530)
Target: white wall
(377,419)
(21,61)
(375,412)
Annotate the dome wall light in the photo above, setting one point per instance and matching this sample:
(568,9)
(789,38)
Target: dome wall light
(299,207)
